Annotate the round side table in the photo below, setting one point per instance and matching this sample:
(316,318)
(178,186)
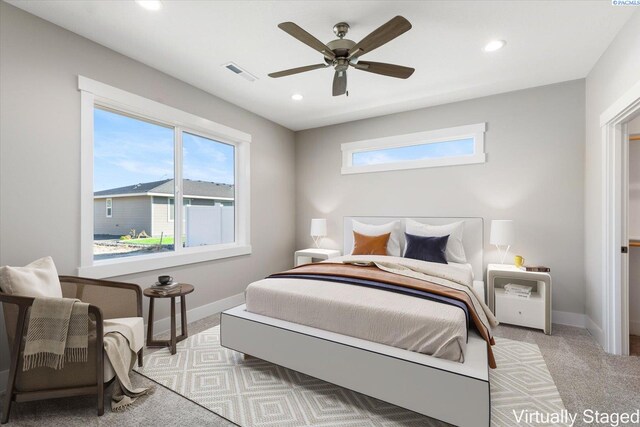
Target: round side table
(182,290)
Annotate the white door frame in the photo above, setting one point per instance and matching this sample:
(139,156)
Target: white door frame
(614,220)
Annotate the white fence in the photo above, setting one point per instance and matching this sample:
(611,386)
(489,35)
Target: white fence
(209,225)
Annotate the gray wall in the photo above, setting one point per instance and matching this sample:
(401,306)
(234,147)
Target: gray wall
(40,157)
(617,70)
(533,175)
(126,213)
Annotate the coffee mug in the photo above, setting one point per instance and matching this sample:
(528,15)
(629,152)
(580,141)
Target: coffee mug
(165,279)
(518,261)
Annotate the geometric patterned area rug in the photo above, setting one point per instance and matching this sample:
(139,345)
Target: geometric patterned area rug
(257,393)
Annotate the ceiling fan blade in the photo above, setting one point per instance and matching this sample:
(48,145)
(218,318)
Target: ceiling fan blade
(339,83)
(306,38)
(380,36)
(297,70)
(390,70)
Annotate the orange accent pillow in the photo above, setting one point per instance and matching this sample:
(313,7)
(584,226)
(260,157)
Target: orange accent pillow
(370,245)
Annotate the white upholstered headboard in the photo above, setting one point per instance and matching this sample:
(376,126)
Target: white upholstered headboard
(472,238)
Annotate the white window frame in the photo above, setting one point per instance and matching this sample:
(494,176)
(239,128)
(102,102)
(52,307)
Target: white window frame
(94,93)
(475,131)
(109,208)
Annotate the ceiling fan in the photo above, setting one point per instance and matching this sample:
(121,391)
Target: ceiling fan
(342,53)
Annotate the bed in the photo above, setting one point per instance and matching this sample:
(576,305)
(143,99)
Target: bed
(416,353)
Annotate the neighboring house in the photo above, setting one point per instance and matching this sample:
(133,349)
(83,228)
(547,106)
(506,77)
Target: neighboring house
(149,206)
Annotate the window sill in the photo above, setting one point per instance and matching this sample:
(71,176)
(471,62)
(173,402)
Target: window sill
(119,267)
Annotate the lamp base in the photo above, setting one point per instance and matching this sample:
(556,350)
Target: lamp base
(503,254)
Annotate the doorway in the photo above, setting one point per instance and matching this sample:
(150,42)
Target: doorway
(616,304)
(633,207)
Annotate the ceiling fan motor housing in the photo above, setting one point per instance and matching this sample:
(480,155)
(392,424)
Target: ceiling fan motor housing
(340,48)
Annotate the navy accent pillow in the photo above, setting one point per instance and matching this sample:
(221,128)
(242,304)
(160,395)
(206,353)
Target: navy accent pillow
(431,249)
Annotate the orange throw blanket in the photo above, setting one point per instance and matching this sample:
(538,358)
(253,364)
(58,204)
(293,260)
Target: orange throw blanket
(378,275)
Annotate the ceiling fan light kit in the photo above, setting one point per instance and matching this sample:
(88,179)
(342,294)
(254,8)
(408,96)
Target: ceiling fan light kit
(344,53)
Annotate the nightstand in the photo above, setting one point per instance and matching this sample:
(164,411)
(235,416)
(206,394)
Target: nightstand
(532,312)
(307,256)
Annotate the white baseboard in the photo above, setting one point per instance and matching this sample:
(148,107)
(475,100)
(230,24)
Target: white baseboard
(164,325)
(567,318)
(595,331)
(634,327)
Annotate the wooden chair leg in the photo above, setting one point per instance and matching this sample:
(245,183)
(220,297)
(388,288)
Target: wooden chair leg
(13,368)
(100,354)
(8,397)
(140,357)
(100,400)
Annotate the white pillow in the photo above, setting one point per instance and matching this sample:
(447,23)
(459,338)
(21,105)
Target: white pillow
(455,249)
(38,279)
(393,246)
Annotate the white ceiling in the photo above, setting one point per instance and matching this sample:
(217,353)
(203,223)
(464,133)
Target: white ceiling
(547,42)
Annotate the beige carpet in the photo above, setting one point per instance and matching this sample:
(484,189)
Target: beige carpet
(258,393)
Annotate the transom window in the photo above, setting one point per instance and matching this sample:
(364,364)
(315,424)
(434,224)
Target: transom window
(452,146)
(175,180)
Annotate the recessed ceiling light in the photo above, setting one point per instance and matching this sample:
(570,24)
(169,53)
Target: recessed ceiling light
(297,97)
(150,4)
(494,45)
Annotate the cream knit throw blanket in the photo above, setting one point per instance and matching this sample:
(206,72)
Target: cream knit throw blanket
(122,359)
(58,331)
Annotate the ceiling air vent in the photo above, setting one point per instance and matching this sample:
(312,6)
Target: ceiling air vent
(236,69)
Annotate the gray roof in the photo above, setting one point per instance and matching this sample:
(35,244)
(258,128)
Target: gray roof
(190,188)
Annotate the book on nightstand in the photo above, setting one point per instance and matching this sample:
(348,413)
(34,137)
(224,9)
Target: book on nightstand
(165,289)
(520,291)
(537,268)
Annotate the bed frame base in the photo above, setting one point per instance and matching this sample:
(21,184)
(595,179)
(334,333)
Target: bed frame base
(457,393)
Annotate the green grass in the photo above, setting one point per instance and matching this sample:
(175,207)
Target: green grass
(167,240)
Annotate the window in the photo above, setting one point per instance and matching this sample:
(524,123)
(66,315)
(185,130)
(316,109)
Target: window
(452,146)
(210,222)
(175,177)
(132,160)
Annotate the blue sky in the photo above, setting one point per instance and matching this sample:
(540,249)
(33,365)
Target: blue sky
(462,147)
(128,151)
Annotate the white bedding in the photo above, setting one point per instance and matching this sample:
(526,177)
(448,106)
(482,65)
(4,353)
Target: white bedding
(381,316)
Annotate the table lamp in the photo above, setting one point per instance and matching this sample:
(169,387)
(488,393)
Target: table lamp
(502,234)
(318,230)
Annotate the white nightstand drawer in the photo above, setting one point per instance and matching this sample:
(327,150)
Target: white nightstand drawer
(528,312)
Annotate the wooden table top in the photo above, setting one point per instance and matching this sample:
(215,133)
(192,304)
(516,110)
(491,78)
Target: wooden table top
(180,290)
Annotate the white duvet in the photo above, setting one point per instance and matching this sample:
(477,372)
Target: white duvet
(381,316)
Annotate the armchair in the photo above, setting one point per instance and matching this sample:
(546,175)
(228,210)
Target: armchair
(108,300)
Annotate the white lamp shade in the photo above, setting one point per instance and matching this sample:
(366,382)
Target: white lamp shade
(318,227)
(502,232)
